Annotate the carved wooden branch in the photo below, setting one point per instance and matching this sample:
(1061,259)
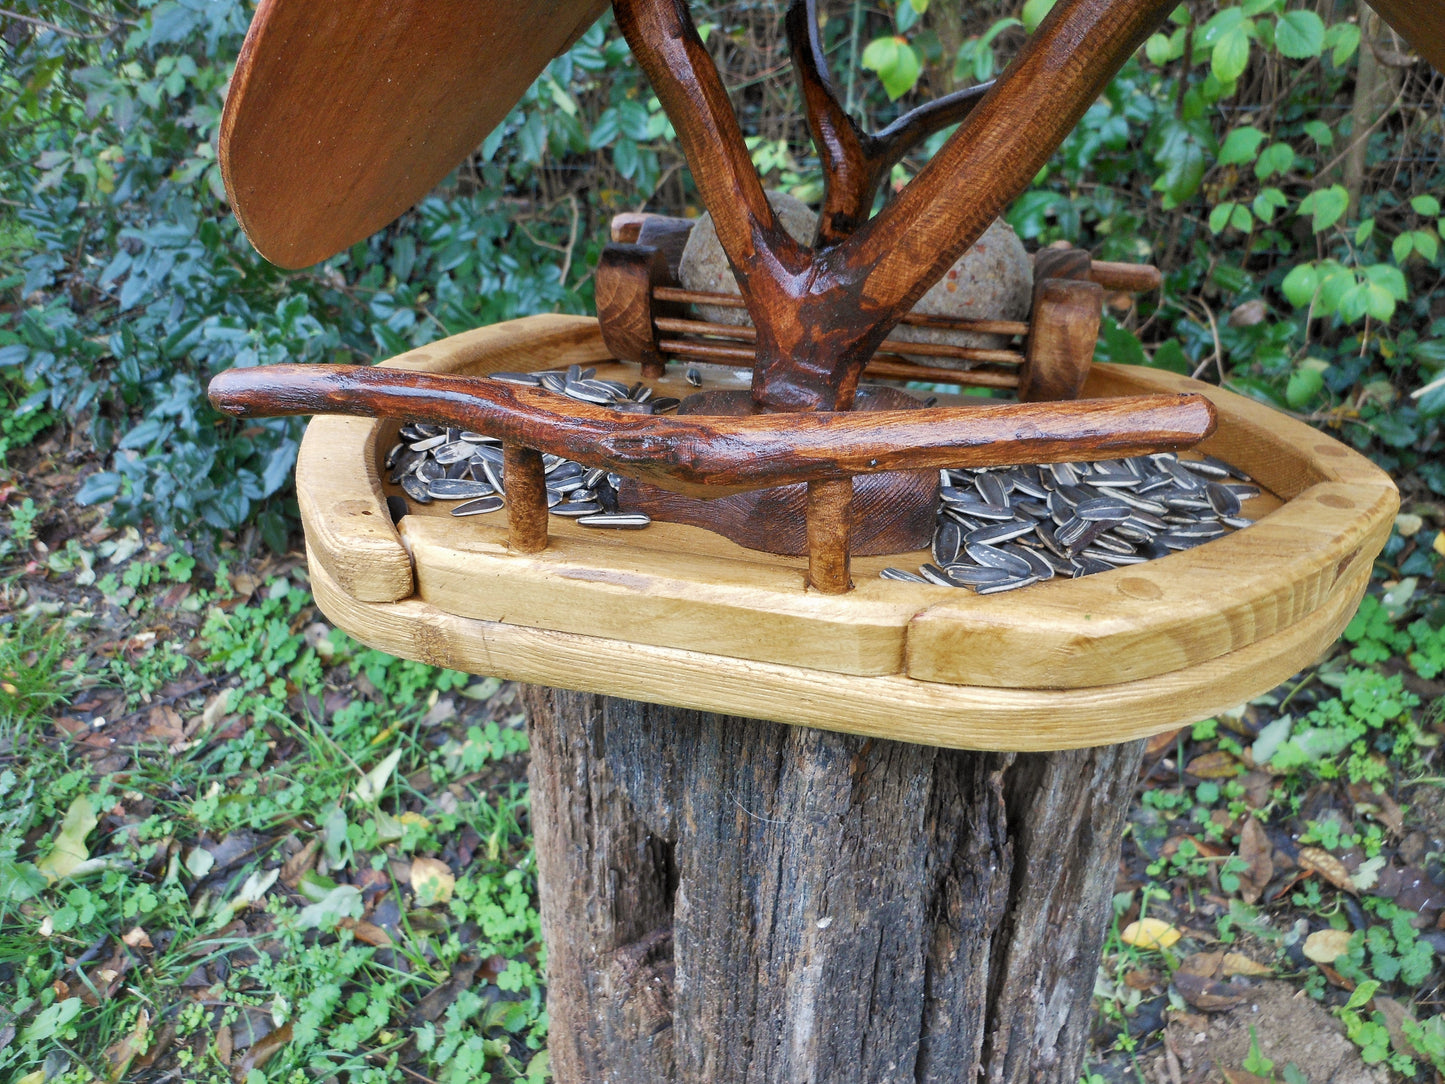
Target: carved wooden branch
(662,37)
(711,456)
(855,162)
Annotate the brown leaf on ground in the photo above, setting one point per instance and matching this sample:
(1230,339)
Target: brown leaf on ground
(136,937)
(1205,995)
(1206,965)
(1160,744)
(1239,1076)
(118,1057)
(299,863)
(262,1052)
(436,1002)
(164,725)
(224,1044)
(1380,807)
(1214,765)
(367,932)
(1236,963)
(1395,1015)
(1258,853)
(1327,866)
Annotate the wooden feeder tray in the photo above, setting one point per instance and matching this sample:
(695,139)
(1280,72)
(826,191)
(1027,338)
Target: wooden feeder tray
(681,616)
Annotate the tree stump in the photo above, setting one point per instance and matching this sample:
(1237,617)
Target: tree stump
(729,901)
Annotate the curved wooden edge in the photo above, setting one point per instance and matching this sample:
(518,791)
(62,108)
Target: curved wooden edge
(341,116)
(894,707)
(1192,606)
(338,486)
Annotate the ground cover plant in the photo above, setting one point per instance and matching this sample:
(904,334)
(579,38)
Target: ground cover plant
(235,845)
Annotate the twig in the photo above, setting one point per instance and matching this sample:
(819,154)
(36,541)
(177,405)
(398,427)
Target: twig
(52,27)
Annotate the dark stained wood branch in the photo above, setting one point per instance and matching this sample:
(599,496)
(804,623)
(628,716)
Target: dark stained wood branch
(855,162)
(708,455)
(662,37)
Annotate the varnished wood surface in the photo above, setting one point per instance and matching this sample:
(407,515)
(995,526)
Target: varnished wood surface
(340,116)
(712,455)
(890,706)
(676,587)
(1422,22)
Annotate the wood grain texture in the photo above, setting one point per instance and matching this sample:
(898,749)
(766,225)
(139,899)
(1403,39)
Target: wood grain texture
(526,498)
(1422,22)
(341,116)
(716,455)
(674,586)
(785,904)
(829,521)
(886,706)
(1065,327)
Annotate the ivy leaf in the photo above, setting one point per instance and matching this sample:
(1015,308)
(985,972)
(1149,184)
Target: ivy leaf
(1300,35)
(1304,385)
(1241,145)
(1182,157)
(1425,205)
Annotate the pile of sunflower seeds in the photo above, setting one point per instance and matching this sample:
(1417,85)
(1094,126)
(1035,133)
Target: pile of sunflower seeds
(1002,529)
(997,529)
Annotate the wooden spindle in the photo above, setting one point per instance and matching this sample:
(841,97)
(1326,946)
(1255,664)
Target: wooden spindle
(526,498)
(830,527)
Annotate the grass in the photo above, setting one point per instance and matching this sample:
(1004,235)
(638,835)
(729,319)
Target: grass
(262,852)
(235,845)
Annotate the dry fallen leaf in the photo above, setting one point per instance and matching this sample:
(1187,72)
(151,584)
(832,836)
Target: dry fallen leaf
(1327,866)
(261,1052)
(432,881)
(1239,1076)
(1205,995)
(1258,853)
(1395,1015)
(1150,933)
(1379,806)
(1326,946)
(299,863)
(1207,965)
(366,932)
(225,1045)
(137,938)
(1215,765)
(1236,963)
(118,1057)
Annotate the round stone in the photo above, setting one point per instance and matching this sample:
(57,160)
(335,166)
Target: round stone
(994,280)
(704,265)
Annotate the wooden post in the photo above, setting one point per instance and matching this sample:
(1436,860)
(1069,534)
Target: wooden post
(731,900)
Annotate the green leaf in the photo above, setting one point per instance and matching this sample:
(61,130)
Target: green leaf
(1364,231)
(1327,205)
(1299,35)
(1426,244)
(1157,50)
(1362,993)
(1231,54)
(1182,156)
(896,63)
(1267,203)
(1219,217)
(1276,158)
(1390,279)
(1300,284)
(1304,385)
(1170,355)
(1241,145)
(1034,12)
(1320,132)
(1259,7)
(1426,205)
(1402,246)
(1241,219)
(1342,39)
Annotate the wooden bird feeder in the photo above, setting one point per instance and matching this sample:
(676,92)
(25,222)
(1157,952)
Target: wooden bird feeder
(911,880)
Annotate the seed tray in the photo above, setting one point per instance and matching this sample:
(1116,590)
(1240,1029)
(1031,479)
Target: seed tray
(678,615)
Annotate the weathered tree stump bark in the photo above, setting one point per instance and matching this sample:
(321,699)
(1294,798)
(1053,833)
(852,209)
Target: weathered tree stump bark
(732,901)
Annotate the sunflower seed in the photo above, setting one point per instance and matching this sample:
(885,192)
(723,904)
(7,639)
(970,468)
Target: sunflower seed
(416,489)
(694,377)
(973,575)
(479,506)
(532,379)
(627,521)
(458,489)
(900,575)
(576,508)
